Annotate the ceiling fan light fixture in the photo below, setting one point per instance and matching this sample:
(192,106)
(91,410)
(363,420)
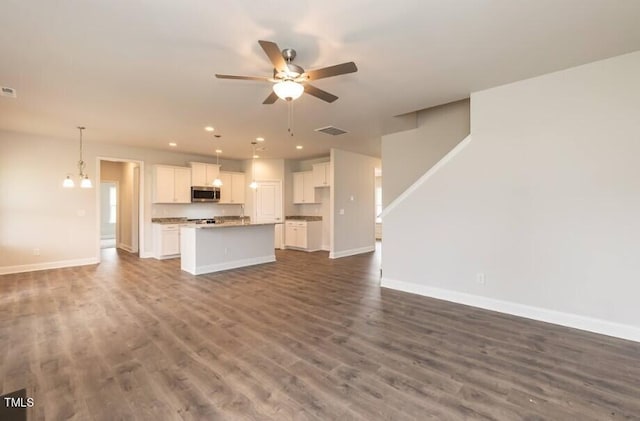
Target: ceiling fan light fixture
(288,90)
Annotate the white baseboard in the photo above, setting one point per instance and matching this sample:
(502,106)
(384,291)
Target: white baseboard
(351,252)
(169,256)
(48,265)
(146,255)
(536,313)
(217,267)
(302,249)
(125,247)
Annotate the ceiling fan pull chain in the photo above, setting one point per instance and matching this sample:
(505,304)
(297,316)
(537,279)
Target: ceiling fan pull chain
(290,117)
(291,107)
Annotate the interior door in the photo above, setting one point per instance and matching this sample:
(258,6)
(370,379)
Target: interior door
(269,206)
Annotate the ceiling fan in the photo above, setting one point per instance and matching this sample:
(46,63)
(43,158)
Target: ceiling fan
(290,80)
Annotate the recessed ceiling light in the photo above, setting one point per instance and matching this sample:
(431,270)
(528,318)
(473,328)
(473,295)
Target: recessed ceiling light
(218,150)
(260,139)
(173,144)
(299,147)
(209,128)
(256,156)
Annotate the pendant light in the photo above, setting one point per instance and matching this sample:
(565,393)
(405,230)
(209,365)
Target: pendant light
(253,184)
(217,182)
(85,182)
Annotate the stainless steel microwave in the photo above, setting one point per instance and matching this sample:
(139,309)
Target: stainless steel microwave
(205,194)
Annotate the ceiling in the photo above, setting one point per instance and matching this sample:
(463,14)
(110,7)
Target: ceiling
(140,72)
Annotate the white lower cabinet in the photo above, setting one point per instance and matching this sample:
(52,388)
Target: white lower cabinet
(303,235)
(166,241)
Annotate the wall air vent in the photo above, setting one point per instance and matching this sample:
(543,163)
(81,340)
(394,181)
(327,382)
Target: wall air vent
(333,131)
(6,91)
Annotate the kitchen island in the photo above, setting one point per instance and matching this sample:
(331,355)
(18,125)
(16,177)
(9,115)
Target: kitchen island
(215,247)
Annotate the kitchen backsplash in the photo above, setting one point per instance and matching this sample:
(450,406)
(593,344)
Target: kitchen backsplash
(194,210)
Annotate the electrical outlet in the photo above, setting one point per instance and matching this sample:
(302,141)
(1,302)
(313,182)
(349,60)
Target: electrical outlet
(480,278)
(341,211)
(36,252)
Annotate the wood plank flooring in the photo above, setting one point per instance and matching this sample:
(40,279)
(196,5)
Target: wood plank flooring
(305,338)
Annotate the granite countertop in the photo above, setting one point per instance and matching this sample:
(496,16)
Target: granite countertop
(307,218)
(219,220)
(169,220)
(229,225)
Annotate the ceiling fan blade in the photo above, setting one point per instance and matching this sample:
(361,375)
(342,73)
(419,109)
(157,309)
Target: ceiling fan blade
(319,93)
(272,51)
(271,98)
(338,69)
(265,79)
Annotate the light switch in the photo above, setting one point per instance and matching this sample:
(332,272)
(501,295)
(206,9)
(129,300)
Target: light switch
(341,211)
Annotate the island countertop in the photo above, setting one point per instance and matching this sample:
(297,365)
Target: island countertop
(228,225)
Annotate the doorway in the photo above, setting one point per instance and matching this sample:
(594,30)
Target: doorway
(378,199)
(108,214)
(119,205)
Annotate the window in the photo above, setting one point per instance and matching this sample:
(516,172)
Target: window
(113,205)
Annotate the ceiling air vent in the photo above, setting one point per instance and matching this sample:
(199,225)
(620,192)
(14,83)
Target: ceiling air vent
(6,91)
(333,131)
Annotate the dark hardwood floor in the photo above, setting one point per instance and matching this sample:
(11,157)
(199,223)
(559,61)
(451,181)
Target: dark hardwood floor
(303,338)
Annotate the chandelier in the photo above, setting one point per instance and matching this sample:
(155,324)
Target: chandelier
(85,182)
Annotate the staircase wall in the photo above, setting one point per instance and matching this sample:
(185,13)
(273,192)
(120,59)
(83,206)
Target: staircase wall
(539,213)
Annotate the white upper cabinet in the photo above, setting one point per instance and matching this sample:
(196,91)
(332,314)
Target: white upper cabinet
(203,174)
(321,174)
(303,187)
(233,188)
(171,184)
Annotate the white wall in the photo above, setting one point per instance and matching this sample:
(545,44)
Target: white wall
(62,223)
(352,191)
(35,211)
(544,201)
(127,208)
(107,228)
(409,154)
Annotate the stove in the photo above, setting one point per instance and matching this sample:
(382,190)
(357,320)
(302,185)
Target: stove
(202,221)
